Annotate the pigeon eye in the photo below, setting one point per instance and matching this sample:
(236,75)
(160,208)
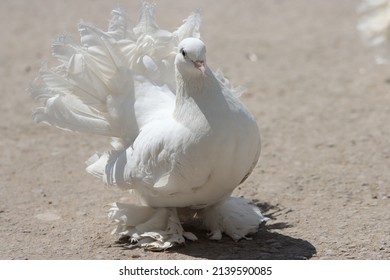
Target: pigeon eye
(183,52)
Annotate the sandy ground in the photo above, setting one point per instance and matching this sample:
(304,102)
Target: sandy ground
(321,103)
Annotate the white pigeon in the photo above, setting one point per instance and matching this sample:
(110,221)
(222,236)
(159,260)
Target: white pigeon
(181,137)
(374,27)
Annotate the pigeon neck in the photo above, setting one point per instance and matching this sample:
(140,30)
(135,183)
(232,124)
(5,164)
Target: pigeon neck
(190,86)
(196,96)
(194,85)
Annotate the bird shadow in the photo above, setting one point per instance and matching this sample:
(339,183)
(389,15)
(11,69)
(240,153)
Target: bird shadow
(266,244)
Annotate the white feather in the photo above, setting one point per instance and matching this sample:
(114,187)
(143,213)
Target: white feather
(374,27)
(154,229)
(235,216)
(181,136)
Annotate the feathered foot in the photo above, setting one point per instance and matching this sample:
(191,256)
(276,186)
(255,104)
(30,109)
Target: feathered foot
(234,216)
(154,229)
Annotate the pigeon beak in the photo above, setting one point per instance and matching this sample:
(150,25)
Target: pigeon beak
(200,64)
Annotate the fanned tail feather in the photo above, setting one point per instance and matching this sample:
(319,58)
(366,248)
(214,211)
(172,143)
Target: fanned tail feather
(92,90)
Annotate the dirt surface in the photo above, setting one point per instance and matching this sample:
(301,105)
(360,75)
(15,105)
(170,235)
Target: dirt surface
(320,101)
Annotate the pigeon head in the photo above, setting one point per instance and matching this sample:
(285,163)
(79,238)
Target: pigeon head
(191,58)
